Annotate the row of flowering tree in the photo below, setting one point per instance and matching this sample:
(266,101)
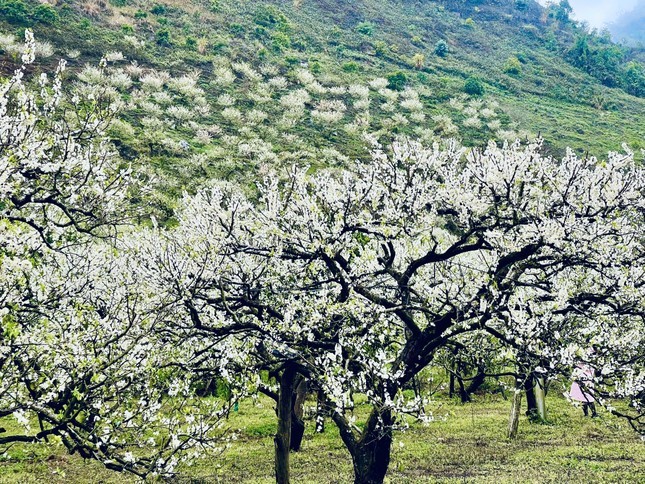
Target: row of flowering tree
(355,279)
(80,361)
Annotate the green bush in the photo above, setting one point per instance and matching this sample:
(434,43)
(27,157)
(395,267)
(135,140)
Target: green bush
(236,29)
(441,48)
(365,28)
(397,80)
(119,3)
(191,43)
(380,48)
(158,9)
(14,11)
(351,66)
(163,37)
(214,6)
(280,41)
(633,79)
(139,14)
(513,66)
(45,13)
(291,60)
(270,17)
(474,86)
(521,5)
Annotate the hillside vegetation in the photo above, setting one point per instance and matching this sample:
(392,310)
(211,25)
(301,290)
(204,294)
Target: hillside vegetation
(219,88)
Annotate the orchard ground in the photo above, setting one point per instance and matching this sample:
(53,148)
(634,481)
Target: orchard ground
(466,443)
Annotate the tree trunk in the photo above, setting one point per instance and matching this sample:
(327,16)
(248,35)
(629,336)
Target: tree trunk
(297,421)
(531,403)
(282,438)
(540,397)
(371,454)
(477,381)
(514,419)
(535,398)
(463,394)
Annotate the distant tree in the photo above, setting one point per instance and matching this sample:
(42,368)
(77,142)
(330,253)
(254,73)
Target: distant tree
(397,80)
(513,66)
(633,79)
(418,60)
(45,13)
(521,5)
(562,11)
(474,87)
(441,48)
(163,37)
(365,28)
(15,11)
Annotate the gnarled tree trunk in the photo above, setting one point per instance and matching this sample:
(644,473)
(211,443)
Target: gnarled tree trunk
(372,455)
(371,452)
(514,418)
(531,403)
(297,413)
(282,438)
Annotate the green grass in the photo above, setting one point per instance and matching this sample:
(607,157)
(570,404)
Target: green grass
(466,443)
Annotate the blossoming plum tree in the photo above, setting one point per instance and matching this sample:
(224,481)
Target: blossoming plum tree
(78,358)
(357,278)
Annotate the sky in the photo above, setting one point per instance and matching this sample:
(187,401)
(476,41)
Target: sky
(599,12)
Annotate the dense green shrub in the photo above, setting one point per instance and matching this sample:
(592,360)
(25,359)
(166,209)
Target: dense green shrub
(380,48)
(119,3)
(158,9)
(163,37)
(280,41)
(191,43)
(441,48)
(351,66)
(270,17)
(14,11)
(633,79)
(513,66)
(521,5)
(45,13)
(474,86)
(214,6)
(397,80)
(598,58)
(365,28)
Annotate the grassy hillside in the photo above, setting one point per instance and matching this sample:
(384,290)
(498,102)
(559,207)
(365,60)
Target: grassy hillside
(221,87)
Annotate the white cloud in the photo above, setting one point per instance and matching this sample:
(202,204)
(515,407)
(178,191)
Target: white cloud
(599,12)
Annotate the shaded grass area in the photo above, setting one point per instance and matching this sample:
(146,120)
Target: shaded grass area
(464,443)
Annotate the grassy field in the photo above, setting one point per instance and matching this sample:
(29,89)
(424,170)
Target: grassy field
(466,443)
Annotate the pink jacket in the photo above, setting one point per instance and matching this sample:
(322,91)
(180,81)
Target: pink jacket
(583,374)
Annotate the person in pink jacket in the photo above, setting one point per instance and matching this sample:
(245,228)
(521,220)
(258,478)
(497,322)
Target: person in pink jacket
(583,379)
